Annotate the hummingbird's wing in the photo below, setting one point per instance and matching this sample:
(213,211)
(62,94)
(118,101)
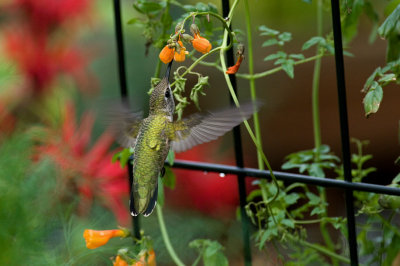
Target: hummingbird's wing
(204,127)
(125,125)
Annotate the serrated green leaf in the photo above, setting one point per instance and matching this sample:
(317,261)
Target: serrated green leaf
(273,56)
(317,210)
(297,56)
(291,198)
(313,41)
(289,223)
(287,66)
(389,25)
(387,78)
(313,199)
(267,31)
(285,36)
(372,99)
(270,42)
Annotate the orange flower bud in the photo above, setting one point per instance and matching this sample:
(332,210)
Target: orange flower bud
(201,44)
(167,54)
(179,56)
(95,239)
(151,259)
(120,262)
(233,69)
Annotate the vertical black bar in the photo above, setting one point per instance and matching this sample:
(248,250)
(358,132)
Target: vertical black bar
(344,130)
(123,87)
(239,157)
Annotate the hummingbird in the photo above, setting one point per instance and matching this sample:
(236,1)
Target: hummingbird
(152,137)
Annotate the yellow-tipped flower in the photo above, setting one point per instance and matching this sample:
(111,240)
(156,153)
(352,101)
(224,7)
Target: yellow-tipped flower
(180,56)
(120,262)
(167,54)
(95,239)
(148,259)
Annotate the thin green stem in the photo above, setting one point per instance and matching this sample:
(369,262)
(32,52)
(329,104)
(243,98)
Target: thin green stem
(319,248)
(315,85)
(277,69)
(252,82)
(165,237)
(236,101)
(388,225)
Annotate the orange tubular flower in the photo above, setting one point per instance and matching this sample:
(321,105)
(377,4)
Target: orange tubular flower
(120,262)
(151,259)
(233,69)
(201,44)
(180,57)
(95,239)
(167,54)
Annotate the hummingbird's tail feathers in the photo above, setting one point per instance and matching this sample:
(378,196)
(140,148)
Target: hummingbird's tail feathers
(132,206)
(201,128)
(152,203)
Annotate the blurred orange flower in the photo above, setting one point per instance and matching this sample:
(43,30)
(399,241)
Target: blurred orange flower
(180,57)
(167,54)
(119,262)
(95,239)
(233,69)
(201,44)
(148,259)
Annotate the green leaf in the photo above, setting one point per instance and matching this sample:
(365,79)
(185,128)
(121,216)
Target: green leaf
(291,198)
(285,37)
(289,223)
(288,68)
(317,210)
(171,157)
(275,56)
(389,25)
(169,178)
(373,99)
(134,21)
(314,199)
(145,6)
(160,196)
(297,56)
(270,42)
(313,41)
(267,31)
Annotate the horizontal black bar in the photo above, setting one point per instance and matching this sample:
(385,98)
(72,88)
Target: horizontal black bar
(312,180)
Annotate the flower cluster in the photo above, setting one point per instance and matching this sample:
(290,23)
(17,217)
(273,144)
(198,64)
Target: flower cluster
(142,255)
(176,50)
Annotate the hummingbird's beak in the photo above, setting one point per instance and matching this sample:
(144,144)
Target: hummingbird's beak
(168,71)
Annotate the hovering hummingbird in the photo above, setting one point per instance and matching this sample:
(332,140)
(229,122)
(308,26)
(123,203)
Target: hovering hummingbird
(153,137)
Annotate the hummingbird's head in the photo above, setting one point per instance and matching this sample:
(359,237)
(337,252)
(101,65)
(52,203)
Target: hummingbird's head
(161,99)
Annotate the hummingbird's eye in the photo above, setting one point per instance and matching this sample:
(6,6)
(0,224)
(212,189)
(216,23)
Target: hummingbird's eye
(167,94)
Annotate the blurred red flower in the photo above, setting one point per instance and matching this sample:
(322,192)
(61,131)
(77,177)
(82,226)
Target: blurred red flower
(41,43)
(90,170)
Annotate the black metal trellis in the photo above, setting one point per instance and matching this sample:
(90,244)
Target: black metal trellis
(347,185)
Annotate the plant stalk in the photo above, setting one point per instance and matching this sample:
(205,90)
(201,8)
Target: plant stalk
(165,237)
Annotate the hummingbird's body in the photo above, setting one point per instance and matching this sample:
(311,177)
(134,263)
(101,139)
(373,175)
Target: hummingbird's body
(150,151)
(153,137)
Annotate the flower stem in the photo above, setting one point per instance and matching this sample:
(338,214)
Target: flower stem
(319,248)
(165,237)
(252,82)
